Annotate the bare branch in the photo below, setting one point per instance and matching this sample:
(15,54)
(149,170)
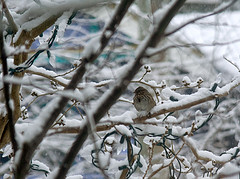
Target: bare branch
(232,63)
(202,17)
(152,52)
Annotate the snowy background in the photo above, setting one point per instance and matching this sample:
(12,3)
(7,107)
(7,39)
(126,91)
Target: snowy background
(196,52)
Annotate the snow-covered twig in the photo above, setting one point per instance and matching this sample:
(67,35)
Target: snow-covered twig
(209,156)
(46,76)
(9,17)
(203,95)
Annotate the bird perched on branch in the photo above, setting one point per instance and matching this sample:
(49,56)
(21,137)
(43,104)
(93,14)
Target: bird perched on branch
(143,100)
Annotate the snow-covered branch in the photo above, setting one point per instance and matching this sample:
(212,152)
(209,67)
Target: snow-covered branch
(11,21)
(91,52)
(209,156)
(110,97)
(43,16)
(187,101)
(78,98)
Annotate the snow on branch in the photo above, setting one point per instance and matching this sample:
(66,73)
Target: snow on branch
(44,13)
(209,156)
(9,17)
(25,155)
(203,95)
(110,97)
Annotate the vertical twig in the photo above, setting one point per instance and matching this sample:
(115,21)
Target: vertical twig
(6,89)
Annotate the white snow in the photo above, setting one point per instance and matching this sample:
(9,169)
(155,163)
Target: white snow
(123,130)
(75,177)
(229,170)
(92,47)
(160,13)
(186,80)
(34,14)
(39,123)
(41,166)
(7,151)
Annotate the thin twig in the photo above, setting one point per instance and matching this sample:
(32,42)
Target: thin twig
(151,152)
(201,17)
(163,49)
(46,76)
(65,112)
(147,84)
(70,71)
(164,166)
(75,105)
(232,63)
(29,104)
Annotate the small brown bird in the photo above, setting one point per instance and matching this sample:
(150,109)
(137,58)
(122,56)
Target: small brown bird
(143,100)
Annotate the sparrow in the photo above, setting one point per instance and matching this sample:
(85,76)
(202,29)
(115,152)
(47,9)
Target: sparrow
(143,100)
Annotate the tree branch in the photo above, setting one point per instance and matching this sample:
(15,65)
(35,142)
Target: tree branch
(110,97)
(201,17)
(192,100)
(9,17)
(152,52)
(160,109)
(6,90)
(206,155)
(29,147)
(46,76)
